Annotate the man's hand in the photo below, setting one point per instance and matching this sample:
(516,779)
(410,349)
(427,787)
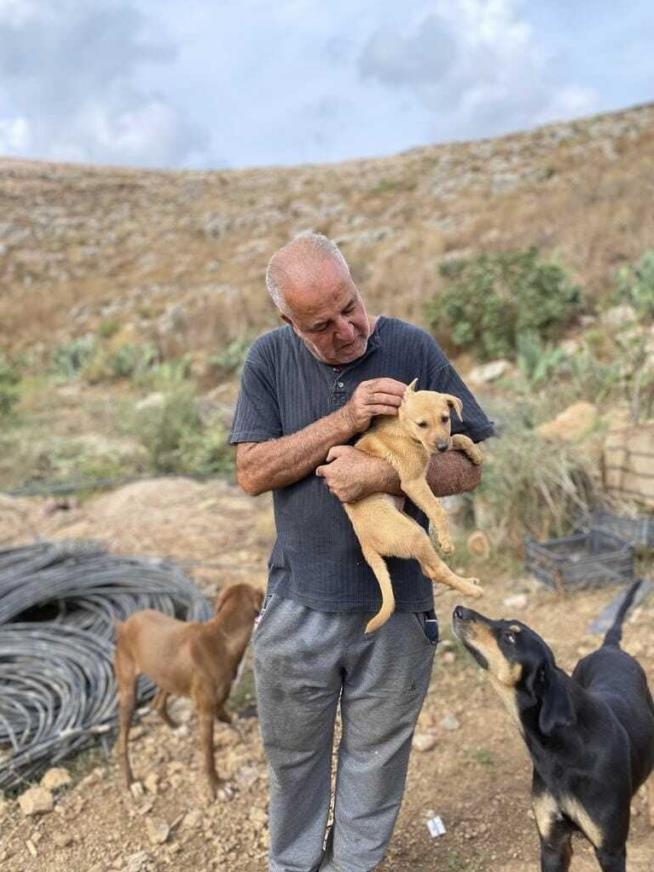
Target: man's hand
(352,475)
(378,396)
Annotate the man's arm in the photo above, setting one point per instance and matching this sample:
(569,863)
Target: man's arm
(263,466)
(352,475)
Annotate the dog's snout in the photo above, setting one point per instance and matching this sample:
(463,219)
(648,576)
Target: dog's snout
(442,446)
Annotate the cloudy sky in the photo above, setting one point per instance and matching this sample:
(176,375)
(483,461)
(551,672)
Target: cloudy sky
(227,83)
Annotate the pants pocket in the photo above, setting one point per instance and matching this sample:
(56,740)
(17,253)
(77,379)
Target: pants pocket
(427,623)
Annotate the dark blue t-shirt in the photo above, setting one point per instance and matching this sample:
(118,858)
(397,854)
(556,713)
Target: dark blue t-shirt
(317,559)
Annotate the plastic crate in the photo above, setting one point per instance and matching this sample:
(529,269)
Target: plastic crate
(587,559)
(637,529)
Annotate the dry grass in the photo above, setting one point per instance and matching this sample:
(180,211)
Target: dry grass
(85,243)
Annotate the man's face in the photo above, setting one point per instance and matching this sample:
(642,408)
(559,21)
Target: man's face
(328,315)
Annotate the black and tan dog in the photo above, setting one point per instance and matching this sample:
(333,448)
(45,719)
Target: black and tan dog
(590,736)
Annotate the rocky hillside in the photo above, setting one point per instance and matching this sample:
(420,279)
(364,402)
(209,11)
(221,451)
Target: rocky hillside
(179,256)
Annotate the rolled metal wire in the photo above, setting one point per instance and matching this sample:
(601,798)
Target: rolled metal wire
(58,604)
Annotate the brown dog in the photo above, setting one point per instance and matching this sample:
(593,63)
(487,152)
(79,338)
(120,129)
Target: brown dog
(192,659)
(422,427)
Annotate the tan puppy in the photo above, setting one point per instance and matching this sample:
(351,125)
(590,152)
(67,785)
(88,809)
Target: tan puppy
(193,659)
(407,442)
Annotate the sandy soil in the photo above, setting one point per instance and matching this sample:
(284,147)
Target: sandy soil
(476,777)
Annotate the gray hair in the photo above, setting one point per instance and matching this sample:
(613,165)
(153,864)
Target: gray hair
(312,244)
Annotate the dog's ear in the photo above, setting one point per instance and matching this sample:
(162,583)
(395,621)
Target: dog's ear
(456,404)
(220,599)
(410,389)
(556,704)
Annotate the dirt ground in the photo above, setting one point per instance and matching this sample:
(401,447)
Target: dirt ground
(475,777)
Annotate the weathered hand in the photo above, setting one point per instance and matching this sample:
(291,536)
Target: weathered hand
(351,475)
(378,396)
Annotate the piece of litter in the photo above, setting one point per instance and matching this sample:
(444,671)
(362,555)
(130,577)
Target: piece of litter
(436,827)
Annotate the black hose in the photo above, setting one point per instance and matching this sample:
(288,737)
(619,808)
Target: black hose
(58,604)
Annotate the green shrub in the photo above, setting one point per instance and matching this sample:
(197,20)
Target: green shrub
(635,285)
(176,439)
(69,359)
(9,381)
(493,299)
(231,360)
(519,496)
(108,328)
(124,361)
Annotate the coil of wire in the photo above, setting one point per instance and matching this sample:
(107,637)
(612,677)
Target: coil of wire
(58,604)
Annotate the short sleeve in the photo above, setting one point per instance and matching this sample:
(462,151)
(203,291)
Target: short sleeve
(443,377)
(257,416)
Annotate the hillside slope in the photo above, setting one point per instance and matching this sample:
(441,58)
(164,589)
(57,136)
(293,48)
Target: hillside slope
(182,254)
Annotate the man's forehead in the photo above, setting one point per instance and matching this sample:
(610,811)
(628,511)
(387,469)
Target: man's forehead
(320,300)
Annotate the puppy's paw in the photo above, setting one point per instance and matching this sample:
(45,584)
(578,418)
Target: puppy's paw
(474,588)
(445,544)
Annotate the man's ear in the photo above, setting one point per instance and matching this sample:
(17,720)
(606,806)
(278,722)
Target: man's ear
(456,404)
(556,704)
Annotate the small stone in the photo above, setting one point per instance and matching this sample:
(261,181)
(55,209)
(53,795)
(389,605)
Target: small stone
(36,800)
(450,722)
(259,818)
(137,862)
(136,789)
(516,601)
(424,741)
(61,838)
(29,844)
(488,372)
(56,778)
(192,819)
(157,830)
(151,782)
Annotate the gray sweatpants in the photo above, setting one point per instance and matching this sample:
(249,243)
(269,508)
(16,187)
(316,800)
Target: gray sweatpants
(306,662)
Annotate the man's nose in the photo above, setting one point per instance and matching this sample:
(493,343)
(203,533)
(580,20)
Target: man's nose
(344,330)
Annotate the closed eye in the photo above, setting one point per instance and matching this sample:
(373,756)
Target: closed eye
(421,423)
(445,418)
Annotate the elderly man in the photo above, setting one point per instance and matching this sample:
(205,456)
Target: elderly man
(308,389)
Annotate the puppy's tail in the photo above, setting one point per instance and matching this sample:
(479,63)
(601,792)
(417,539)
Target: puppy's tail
(614,634)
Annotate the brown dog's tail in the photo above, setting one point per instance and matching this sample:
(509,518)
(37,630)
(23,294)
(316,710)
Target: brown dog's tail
(614,634)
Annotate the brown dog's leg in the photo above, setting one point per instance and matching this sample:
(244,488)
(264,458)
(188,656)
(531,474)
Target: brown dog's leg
(465,444)
(126,687)
(159,705)
(378,566)
(206,714)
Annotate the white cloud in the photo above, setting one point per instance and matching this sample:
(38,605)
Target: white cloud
(68,74)
(477,66)
(14,136)
(242,82)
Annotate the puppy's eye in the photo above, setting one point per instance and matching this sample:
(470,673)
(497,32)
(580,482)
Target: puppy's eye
(421,423)
(508,636)
(445,418)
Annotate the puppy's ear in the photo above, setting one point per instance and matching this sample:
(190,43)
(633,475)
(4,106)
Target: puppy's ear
(456,404)
(556,704)
(410,389)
